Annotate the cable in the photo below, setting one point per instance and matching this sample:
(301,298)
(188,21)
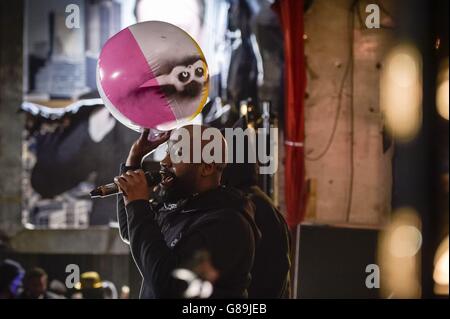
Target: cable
(356,6)
(349,67)
(352,115)
(340,92)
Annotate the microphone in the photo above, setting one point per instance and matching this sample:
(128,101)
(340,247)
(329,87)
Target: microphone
(153,178)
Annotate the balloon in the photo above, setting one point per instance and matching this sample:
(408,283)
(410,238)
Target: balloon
(152,75)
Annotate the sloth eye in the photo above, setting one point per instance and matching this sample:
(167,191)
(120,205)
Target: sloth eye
(199,72)
(183,76)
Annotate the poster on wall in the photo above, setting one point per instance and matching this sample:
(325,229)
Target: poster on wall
(71,143)
(62,41)
(64,157)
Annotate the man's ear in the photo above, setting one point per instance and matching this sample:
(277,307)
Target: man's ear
(207,169)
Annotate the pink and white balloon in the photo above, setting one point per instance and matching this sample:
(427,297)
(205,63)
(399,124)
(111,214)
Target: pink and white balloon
(152,75)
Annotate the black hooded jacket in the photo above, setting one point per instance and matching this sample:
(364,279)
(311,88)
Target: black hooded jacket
(270,273)
(164,237)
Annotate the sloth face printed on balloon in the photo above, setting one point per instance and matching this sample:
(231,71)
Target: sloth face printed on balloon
(152,75)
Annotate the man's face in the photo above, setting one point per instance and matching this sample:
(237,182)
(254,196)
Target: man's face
(179,180)
(35,287)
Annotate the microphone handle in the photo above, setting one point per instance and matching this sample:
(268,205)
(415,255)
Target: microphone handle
(153,178)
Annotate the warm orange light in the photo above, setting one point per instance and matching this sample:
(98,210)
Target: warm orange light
(399,255)
(442,91)
(401,92)
(243,109)
(440,273)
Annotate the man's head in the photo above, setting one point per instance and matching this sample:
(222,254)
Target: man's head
(196,157)
(241,175)
(35,283)
(11,274)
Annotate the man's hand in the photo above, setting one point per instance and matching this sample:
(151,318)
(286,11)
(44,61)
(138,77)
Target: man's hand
(143,146)
(133,185)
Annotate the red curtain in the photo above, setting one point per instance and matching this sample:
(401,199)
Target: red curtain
(290,13)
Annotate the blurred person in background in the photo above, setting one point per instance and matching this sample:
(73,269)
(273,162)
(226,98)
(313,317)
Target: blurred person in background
(35,285)
(58,288)
(125,292)
(90,286)
(270,272)
(11,274)
(110,290)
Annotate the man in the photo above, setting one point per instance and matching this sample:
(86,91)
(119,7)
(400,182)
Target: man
(35,285)
(270,272)
(90,286)
(194,214)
